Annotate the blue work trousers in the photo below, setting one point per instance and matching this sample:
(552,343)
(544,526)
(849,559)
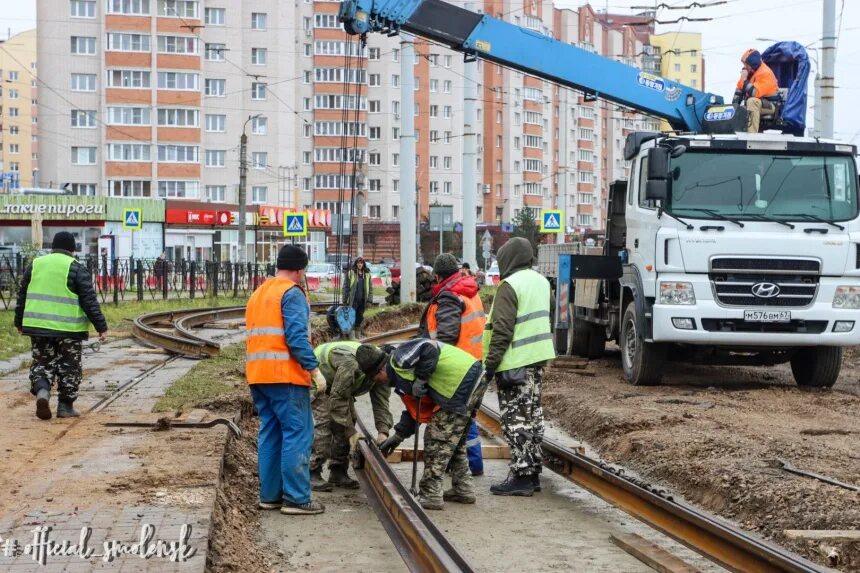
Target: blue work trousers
(284,442)
(473,449)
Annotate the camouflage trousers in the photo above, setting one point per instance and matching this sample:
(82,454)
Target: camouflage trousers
(56,360)
(330,441)
(522,423)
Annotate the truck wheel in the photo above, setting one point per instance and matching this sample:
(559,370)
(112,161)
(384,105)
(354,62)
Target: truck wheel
(817,367)
(596,340)
(642,361)
(581,343)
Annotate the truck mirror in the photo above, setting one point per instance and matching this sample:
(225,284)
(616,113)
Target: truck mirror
(658,163)
(657,189)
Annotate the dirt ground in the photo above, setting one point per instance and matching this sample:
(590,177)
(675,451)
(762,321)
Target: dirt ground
(718,435)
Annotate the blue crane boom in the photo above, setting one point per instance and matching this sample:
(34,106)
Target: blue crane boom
(494,40)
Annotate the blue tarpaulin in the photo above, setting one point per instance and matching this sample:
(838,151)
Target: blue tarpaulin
(790,64)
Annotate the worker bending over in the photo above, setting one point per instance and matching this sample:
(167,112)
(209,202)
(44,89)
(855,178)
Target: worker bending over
(335,435)
(756,84)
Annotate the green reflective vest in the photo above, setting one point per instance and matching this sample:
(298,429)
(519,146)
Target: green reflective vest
(532,341)
(450,371)
(361,384)
(50,304)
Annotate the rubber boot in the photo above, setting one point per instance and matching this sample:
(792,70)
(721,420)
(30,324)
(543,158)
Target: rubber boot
(43,407)
(456,497)
(339,478)
(514,485)
(536,482)
(318,483)
(430,502)
(65,409)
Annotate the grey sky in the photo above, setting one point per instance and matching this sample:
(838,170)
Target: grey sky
(735,27)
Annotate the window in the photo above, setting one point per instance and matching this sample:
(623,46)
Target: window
(447,186)
(337,155)
(446,112)
(395,81)
(375,185)
(216,88)
(533,94)
(129,152)
(117,42)
(14,166)
(180,189)
(693,68)
(325,21)
(332,181)
(83,45)
(373,80)
(395,159)
(586,155)
(80,118)
(259,125)
(178,153)
(374,106)
(533,118)
(130,7)
(258,20)
(83,8)
(216,193)
(258,90)
(395,210)
(178,81)
(677,67)
(584,219)
(260,159)
(375,133)
(83,189)
(693,83)
(375,159)
(534,141)
(586,177)
(178,117)
(128,79)
(533,165)
(434,136)
(215,157)
(334,48)
(434,162)
(13,77)
(130,188)
(395,108)
(15,148)
(13,94)
(434,187)
(446,86)
(434,111)
(586,134)
(177,45)
(585,198)
(13,130)
(339,128)
(259,194)
(395,55)
(215,52)
(258,56)
(214,16)
(340,75)
(446,162)
(395,133)
(447,137)
(128,116)
(434,86)
(178,8)
(375,211)
(373,54)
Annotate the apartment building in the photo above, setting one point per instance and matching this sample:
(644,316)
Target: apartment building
(19,148)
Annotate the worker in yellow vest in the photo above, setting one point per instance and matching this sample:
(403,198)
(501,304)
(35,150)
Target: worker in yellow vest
(517,344)
(56,304)
(282,371)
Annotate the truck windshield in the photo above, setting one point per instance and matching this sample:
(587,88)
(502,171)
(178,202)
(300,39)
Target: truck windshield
(753,186)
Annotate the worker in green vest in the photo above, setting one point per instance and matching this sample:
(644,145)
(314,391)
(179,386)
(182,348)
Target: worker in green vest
(56,304)
(517,345)
(358,292)
(334,413)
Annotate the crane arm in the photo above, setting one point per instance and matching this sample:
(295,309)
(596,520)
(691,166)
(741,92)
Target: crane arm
(529,51)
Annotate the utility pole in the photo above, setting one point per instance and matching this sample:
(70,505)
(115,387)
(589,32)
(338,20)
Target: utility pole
(243,195)
(360,182)
(470,163)
(407,170)
(828,68)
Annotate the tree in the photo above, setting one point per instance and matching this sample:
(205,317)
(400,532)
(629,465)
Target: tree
(525,226)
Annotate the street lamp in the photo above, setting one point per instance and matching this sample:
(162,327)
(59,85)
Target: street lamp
(243,180)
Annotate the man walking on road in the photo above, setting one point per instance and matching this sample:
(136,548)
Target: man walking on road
(56,304)
(280,368)
(517,344)
(335,435)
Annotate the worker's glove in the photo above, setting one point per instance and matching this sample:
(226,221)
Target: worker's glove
(381,437)
(318,381)
(390,445)
(419,388)
(353,441)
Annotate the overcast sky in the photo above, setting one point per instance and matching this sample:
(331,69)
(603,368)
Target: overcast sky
(734,28)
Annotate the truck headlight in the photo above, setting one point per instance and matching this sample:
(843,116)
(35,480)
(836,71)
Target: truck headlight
(847,297)
(677,293)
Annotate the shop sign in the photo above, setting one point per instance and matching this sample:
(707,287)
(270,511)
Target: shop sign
(190,217)
(52,207)
(274,216)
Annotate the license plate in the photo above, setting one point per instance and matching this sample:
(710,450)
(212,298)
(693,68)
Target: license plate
(767,315)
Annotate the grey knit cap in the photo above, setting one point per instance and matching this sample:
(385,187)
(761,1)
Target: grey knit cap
(446,265)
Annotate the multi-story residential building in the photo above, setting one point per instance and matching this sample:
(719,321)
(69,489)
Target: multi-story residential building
(680,57)
(19,149)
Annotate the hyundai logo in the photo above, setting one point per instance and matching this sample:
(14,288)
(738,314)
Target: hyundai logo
(765,290)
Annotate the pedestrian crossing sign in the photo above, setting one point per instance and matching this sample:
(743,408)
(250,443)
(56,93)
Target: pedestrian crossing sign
(550,221)
(132,219)
(296,224)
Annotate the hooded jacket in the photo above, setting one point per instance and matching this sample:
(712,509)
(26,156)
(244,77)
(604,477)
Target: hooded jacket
(761,83)
(446,295)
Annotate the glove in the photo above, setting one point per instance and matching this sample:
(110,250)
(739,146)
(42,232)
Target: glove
(419,388)
(353,441)
(390,445)
(318,381)
(381,437)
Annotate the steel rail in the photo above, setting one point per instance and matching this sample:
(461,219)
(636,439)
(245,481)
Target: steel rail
(185,325)
(144,329)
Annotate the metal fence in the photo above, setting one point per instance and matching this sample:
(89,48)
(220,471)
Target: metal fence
(129,279)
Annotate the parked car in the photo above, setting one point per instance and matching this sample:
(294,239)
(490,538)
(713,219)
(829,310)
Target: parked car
(322,271)
(379,271)
(492,277)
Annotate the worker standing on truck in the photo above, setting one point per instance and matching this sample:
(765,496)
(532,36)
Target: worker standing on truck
(335,435)
(455,315)
(281,368)
(756,84)
(453,380)
(56,304)
(517,344)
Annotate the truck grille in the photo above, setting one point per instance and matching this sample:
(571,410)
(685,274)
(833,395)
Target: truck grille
(738,325)
(734,280)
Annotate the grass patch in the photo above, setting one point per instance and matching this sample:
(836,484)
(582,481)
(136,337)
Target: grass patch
(208,379)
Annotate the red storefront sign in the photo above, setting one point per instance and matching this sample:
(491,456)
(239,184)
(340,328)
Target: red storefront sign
(190,216)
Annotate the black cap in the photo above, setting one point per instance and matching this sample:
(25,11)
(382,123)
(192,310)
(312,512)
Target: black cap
(292,258)
(64,241)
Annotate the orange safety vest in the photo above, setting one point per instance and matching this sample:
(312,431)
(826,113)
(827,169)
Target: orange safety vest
(472,323)
(763,80)
(428,407)
(267,356)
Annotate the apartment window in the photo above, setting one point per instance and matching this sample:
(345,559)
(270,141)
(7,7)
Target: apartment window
(434,86)
(693,68)
(534,141)
(118,42)
(177,45)
(326,21)
(375,159)
(434,136)
(677,67)
(216,193)
(693,83)
(15,148)
(375,185)
(307,130)
(14,166)
(130,188)
(259,194)
(395,55)
(178,189)
(128,116)
(13,130)
(83,189)
(337,155)
(533,165)
(395,133)
(178,8)
(395,210)
(373,54)
(447,137)
(446,162)
(215,52)
(585,199)
(586,134)
(586,177)
(128,79)
(129,152)
(258,90)
(584,219)
(260,159)
(434,187)
(13,77)
(446,86)
(80,118)
(446,112)
(375,133)
(83,45)
(214,16)
(375,106)
(216,88)
(178,81)
(446,187)
(395,159)
(129,7)
(82,8)
(395,108)
(434,111)
(339,128)
(498,165)
(516,166)
(395,81)
(258,56)
(13,94)
(375,211)
(373,80)
(178,153)
(586,155)
(434,162)
(259,125)
(258,20)
(215,157)
(178,117)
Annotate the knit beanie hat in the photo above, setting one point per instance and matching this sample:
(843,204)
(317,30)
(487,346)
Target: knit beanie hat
(292,258)
(446,265)
(64,241)
(753,59)
(370,359)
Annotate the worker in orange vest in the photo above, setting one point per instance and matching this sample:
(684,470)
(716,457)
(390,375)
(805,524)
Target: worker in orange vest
(282,372)
(455,315)
(756,84)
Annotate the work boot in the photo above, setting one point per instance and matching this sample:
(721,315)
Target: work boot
(310,508)
(43,407)
(338,477)
(431,502)
(318,483)
(457,497)
(514,485)
(269,505)
(536,482)
(66,410)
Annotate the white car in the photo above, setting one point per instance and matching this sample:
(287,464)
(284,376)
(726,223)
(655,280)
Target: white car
(322,271)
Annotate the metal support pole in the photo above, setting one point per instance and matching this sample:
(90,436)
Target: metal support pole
(828,68)
(115,276)
(407,170)
(192,280)
(817,111)
(441,249)
(139,269)
(470,161)
(243,196)
(359,231)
